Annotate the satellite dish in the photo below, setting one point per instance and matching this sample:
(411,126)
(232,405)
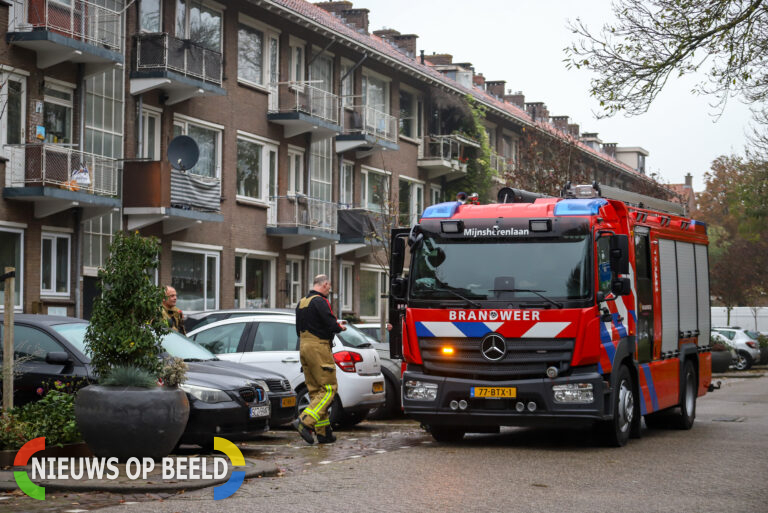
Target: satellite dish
(183,152)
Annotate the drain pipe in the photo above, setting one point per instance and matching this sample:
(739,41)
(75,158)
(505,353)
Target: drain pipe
(140,138)
(79,211)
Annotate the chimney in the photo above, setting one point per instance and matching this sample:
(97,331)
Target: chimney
(439,59)
(335,7)
(516,99)
(407,43)
(610,149)
(561,123)
(537,110)
(573,129)
(496,87)
(689,180)
(386,33)
(479,80)
(358,18)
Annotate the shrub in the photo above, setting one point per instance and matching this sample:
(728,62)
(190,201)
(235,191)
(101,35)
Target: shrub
(126,326)
(174,372)
(129,376)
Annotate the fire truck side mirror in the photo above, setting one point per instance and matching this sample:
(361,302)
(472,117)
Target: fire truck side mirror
(620,287)
(620,254)
(399,288)
(398,256)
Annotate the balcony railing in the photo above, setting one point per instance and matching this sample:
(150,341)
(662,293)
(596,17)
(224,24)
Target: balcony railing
(59,166)
(76,19)
(306,98)
(302,211)
(368,120)
(162,51)
(500,163)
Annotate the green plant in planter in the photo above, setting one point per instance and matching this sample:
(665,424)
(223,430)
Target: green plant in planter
(126,326)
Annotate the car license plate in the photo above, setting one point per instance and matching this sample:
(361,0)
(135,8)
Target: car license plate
(285,402)
(378,387)
(259,411)
(494,392)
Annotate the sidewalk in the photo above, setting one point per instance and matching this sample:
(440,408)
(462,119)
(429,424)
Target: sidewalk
(153,483)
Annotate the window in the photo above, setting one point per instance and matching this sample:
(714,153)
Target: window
(276,336)
(195,276)
(347,85)
(257,53)
(509,150)
(57,113)
(410,202)
(321,73)
(97,237)
(372,285)
(149,15)
(604,277)
(296,60)
(320,262)
(375,190)
(54,264)
(347,192)
(150,126)
(13,95)
(295,289)
(104,118)
(11,255)
(253,282)
(33,344)
(376,92)
(435,195)
(199,23)
(256,170)
(208,140)
(321,175)
(222,339)
(410,114)
(346,286)
(296,171)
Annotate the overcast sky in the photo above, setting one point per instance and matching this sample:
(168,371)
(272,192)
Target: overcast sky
(522,41)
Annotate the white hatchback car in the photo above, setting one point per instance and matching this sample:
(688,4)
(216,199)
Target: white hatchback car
(744,342)
(270,341)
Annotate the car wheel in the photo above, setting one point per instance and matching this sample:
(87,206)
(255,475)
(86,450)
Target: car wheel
(617,430)
(446,434)
(391,406)
(684,420)
(743,360)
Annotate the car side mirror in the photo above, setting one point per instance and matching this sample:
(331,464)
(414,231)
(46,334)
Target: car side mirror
(619,254)
(57,358)
(620,287)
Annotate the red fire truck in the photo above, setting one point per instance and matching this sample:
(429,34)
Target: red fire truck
(541,309)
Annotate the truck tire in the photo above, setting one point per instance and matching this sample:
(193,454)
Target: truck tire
(447,434)
(684,419)
(743,360)
(617,430)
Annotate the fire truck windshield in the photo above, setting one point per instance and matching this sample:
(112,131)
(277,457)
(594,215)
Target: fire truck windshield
(518,271)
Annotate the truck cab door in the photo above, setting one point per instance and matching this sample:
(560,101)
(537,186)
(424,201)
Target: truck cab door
(644,288)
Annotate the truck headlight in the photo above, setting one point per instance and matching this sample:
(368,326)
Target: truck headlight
(574,393)
(420,391)
(205,394)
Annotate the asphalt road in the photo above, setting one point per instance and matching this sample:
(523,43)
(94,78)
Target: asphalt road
(720,466)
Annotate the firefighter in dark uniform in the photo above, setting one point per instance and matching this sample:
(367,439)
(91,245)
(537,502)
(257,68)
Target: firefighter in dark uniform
(316,325)
(171,314)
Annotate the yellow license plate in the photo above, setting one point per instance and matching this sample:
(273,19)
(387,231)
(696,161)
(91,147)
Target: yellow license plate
(285,402)
(378,387)
(494,392)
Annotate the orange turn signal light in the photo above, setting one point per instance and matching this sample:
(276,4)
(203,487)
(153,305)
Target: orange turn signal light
(447,350)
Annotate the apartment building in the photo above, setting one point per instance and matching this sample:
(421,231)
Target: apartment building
(314,135)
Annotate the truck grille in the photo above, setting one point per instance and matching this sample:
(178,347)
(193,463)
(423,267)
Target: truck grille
(523,358)
(278,385)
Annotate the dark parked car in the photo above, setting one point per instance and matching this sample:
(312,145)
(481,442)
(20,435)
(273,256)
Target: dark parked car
(222,403)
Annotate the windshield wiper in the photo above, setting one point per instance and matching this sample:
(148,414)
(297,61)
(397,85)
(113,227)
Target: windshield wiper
(474,303)
(537,292)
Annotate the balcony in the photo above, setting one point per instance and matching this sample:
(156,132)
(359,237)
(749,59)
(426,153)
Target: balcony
(500,164)
(367,130)
(446,156)
(300,219)
(67,31)
(155,193)
(56,178)
(179,67)
(362,231)
(301,107)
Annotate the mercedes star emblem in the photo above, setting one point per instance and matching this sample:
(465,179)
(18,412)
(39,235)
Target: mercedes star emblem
(493,347)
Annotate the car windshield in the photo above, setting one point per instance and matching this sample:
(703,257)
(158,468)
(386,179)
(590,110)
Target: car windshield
(353,337)
(502,269)
(173,343)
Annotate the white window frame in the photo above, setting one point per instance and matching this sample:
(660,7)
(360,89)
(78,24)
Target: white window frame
(381,279)
(416,192)
(6,77)
(416,114)
(295,170)
(294,267)
(216,255)
(150,115)
(12,228)
(347,197)
(183,122)
(347,286)
(160,19)
(64,87)
(267,146)
(268,32)
(364,173)
(210,4)
(325,262)
(435,193)
(347,87)
(367,75)
(297,47)
(56,238)
(264,256)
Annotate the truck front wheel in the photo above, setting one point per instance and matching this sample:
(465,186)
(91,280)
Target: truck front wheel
(617,430)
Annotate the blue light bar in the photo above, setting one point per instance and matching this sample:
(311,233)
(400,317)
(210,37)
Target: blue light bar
(441,210)
(579,207)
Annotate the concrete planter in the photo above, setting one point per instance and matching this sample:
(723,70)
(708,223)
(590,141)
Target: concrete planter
(721,360)
(126,422)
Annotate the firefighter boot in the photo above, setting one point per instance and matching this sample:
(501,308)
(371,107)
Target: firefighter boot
(305,431)
(327,438)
